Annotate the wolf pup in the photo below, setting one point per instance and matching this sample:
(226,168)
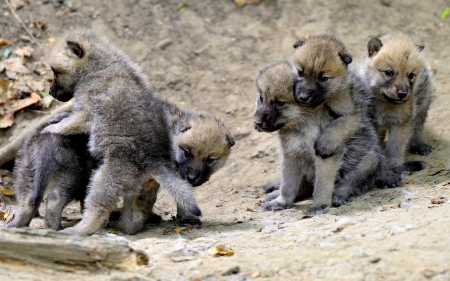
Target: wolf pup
(63,160)
(202,144)
(400,85)
(126,123)
(299,127)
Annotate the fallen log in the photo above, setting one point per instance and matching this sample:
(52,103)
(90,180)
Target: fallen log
(67,252)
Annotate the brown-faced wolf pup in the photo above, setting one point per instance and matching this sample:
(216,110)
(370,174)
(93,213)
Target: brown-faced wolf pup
(400,85)
(126,123)
(49,160)
(299,126)
(202,144)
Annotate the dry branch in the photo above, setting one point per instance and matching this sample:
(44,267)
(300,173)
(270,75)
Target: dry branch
(66,251)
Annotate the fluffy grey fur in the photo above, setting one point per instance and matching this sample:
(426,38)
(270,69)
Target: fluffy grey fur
(299,127)
(61,164)
(400,85)
(125,119)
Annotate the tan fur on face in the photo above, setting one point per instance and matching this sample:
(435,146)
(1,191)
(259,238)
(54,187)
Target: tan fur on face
(206,138)
(320,54)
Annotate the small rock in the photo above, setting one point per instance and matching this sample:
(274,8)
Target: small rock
(375,260)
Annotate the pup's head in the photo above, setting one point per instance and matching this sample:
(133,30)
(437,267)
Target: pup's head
(394,63)
(320,68)
(72,56)
(275,104)
(202,146)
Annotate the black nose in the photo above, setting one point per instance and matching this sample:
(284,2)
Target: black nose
(402,94)
(304,97)
(258,122)
(192,177)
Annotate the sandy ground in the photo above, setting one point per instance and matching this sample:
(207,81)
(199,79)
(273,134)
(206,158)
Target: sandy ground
(214,55)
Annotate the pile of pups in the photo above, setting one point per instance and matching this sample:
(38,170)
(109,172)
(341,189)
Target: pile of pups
(122,141)
(332,120)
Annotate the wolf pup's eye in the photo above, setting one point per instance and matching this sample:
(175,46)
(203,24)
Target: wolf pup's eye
(323,78)
(210,161)
(301,73)
(187,153)
(388,73)
(279,104)
(411,76)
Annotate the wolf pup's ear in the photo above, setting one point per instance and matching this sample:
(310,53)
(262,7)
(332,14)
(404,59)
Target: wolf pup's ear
(230,140)
(346,58)
(76,48)
(373,46)
(299,43)
(420,47)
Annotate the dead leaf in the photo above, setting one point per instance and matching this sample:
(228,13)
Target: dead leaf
(49,41)
(6,120)
(375,260)
(439,200)
(249,210)
(183,258)
(188,228)
(440,165)
(2,215)
(220,250)
(32,99)
(411,181)
(389,206)
(4,42)
(177,230)
(240,3)
(254,1)
(15,64)
(8,216)
(6,191)
(24,52)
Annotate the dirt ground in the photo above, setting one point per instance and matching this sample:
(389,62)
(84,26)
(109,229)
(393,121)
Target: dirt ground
(206,56)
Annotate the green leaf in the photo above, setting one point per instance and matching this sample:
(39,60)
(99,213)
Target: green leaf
(6,52)
(445,13)
(181,6)
(44,94)
(69,5)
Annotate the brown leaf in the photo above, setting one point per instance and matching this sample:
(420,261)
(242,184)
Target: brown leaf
(15,64)
(240,3)
(4,42)
(440,165)
(220,250)
(411,181)
(2,215)
(249,210)
(20,104)
(6,191)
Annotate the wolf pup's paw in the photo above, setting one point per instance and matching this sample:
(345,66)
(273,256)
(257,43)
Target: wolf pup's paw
(194,222)
(391,180)
(272,186)
(275,205)
(318,209)
(324,148)
(339,200)
(421,149)
(271,196)
(52,129)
